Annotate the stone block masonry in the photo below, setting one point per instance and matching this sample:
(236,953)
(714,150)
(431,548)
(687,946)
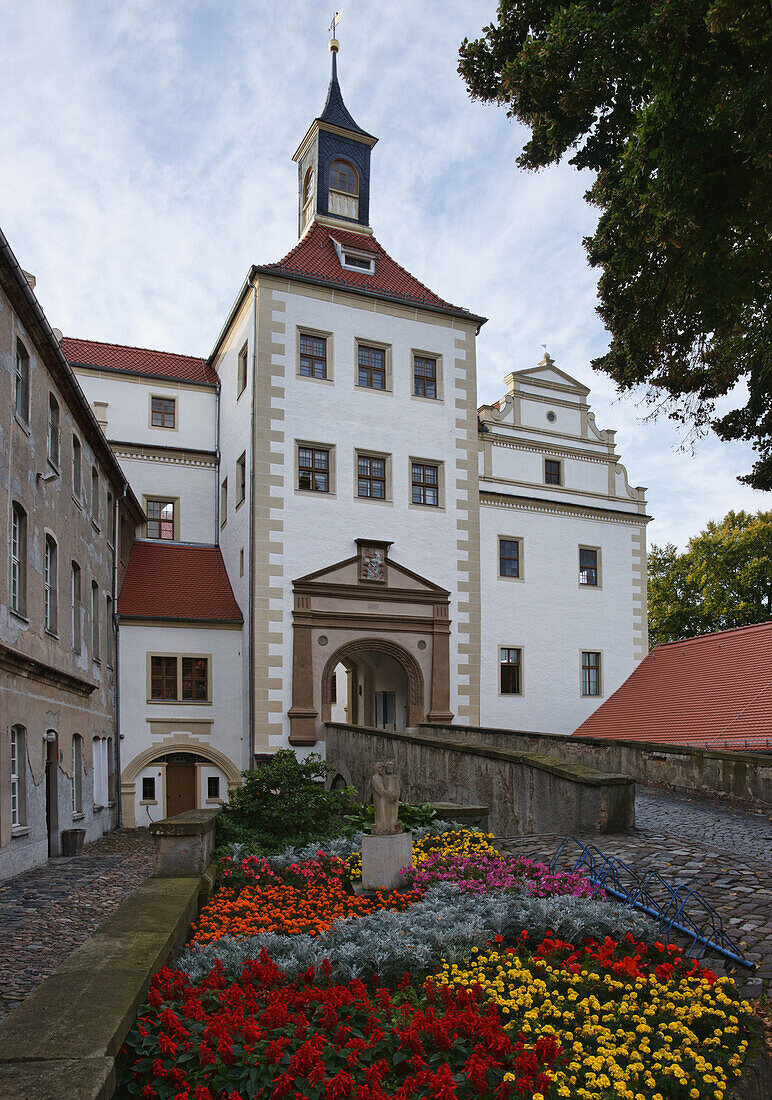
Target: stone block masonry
(527,792)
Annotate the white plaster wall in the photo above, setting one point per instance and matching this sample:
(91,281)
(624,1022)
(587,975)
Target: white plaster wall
(148,811)
(225,710)
(553,618)
(193,485)
(128,410)
(319,528)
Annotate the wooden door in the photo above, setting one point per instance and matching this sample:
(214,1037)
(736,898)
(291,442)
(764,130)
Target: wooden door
(180,788)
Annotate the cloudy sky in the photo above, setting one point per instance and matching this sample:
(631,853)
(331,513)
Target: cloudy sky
(146,163)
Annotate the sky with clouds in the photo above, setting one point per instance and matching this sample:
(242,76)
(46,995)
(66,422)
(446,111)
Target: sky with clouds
(147,163)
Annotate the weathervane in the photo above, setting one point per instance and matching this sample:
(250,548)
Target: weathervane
(333,40)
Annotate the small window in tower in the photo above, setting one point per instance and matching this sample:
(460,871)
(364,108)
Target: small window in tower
(343,191)
(308,196)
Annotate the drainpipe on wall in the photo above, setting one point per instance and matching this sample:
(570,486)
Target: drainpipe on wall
(217,466)
(117,659)
(251,635)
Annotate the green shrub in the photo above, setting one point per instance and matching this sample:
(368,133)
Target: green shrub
(284,798)
(412,817)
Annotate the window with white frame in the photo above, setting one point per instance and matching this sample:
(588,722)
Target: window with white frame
(21,390)
(18,559)
(51,585)
(97,773)
(18,777)
(77,774)
(53,431)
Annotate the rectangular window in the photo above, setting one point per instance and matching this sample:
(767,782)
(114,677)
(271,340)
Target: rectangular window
(19,559)
(424,376)
(94,494)
(163,412)
(195,679)
(241,373)
(109,632)
(77,482)
(18,777)
(551,472)
(213,786)
(425,484)
(95,655)
(372,367)
(77,774)
(510,664)
(21,396)
(163,677)
(313,356)
(53,431)
(160,519)
(224,503)
(314,469)
(241,479)
(148,788)
(75,601)
(509,557)
(51,584)
(371,477)
(334,689)
(110,519)
(588,566)
(590,673)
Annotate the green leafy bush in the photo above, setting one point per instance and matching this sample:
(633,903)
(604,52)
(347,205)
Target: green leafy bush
(281,800)
(412,817)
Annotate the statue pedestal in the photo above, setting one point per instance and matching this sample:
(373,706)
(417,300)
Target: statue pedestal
(383,858)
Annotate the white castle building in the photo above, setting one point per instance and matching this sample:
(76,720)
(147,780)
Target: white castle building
(335,531)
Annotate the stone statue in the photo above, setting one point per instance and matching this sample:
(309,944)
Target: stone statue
(385,786)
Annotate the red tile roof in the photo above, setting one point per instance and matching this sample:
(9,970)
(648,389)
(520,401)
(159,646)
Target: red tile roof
(716,688)
(314,257)
(163,364)
(177,582)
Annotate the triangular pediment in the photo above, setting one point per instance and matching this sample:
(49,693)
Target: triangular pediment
(553,376)
(345,574)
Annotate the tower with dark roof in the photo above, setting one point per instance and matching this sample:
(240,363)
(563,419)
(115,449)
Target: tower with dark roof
(333,162)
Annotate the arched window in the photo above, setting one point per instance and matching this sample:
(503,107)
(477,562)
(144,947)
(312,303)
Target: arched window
(77,481)
(343,177)
(21,399)
(308,195)
(18,777)
(75,590)
(98,772)
(95,654)
(18,559)
(77,774)
(53,431)
(342,196)
(51,606)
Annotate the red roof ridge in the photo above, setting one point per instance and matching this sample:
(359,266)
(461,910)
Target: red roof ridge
(132,347)
(711,634)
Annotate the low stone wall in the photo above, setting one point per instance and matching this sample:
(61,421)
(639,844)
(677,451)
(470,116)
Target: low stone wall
(740,775)
(184,844)
(62,1040)
(526,792)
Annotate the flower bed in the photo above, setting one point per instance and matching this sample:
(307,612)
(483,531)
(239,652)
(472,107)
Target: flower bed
(490,978)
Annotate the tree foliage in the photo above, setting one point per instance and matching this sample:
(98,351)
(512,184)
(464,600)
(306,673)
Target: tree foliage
(722,580)
(668,104)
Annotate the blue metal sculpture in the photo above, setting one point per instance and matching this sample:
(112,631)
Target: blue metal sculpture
(677,908)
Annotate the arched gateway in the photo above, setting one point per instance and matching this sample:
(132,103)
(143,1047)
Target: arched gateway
(380,629)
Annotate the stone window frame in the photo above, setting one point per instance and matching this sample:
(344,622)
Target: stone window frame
(598,568)
(241,479)
(364,342)
(18,776)
(330,448)
(157,499)
(439,376)
(18,553)
(520,557)
(500,664)
(216,797)
(368,452)
(175,427)
(22,388)
(178,658)
(422,461)
(599,694)
(53,433)
(556,462)
(319,334)
(51,584)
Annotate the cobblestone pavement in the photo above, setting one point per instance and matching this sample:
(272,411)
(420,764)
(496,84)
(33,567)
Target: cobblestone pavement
(724,853)
(47,912)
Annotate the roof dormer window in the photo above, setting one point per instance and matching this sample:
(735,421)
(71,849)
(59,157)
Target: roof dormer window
(354,259)
(343,194)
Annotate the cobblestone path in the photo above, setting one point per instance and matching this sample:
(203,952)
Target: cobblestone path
(47,912)
(725,853)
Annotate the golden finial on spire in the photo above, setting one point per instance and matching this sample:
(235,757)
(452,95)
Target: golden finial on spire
(334,43)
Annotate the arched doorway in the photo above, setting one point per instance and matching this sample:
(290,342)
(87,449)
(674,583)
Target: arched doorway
(371,646)
(172,775)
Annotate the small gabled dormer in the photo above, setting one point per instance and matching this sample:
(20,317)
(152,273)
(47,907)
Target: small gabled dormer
(334,165)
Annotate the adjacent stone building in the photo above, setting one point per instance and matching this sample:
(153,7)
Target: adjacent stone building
(71,518)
